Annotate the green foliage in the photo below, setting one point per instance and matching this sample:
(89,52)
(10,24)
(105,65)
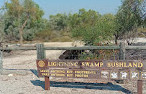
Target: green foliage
(48,35)
(128,18)
(84,18)
(59,21)
(99,55)
(88,56)
(45,35)
(22,18)
(89,26)
(93,27)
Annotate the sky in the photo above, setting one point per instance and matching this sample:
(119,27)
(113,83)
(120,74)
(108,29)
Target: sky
(52,7)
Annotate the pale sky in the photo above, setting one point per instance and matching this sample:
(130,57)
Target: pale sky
(52,7)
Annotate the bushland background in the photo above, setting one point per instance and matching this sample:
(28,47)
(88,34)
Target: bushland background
(21,21)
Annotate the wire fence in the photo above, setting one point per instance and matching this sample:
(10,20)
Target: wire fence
(135,54)
(102,55)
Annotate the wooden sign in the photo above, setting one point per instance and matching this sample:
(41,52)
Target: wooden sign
(106,69)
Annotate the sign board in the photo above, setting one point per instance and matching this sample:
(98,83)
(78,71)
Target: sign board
(93,69)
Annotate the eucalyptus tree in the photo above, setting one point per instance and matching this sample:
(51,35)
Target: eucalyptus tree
(128,18)
(59,22)
(23,15)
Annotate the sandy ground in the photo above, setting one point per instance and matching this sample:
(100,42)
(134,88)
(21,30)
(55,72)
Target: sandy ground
(25,80)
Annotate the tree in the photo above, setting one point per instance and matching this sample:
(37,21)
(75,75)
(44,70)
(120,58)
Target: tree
(23,13)
(128,18)
(92,27)
(84,18)
(59,22)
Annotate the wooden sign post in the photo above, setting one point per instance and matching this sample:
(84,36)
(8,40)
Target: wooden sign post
(122,57)
(139,86)
(41,55)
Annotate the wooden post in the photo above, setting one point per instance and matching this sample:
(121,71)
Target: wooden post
(139,87)
(1,62)
(122,51)
(40,51)
(47,83)
(121,56)
(41,55)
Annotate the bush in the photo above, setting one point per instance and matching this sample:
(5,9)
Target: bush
(45,35)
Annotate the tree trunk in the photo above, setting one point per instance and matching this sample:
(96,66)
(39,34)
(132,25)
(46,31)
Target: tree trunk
(21,32)
(21,37)
(116,39)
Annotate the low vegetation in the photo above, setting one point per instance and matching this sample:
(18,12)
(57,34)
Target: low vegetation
(22,20)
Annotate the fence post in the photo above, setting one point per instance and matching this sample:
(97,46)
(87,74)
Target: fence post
(122,51)
(122,57)
(1,62)
(40,51)
(42,55)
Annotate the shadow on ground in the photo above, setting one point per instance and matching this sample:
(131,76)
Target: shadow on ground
(98,86)
(20,71)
